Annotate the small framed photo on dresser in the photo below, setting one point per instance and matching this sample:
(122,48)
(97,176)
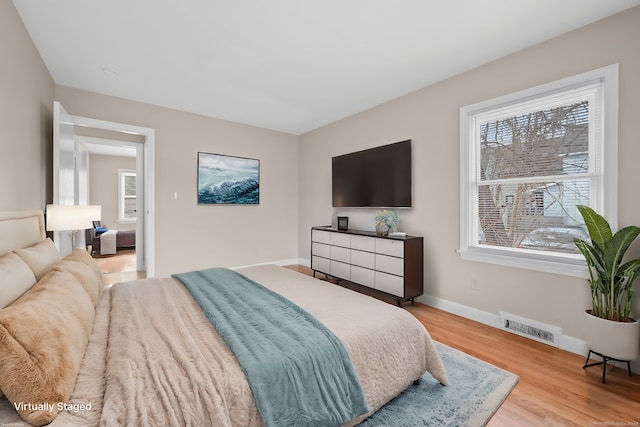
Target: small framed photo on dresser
(343,223)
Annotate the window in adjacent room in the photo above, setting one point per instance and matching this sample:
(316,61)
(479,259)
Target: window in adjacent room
(527,160)
(127,195)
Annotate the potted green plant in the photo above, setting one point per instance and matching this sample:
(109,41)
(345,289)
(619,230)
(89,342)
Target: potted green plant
(386,220)
(610,331)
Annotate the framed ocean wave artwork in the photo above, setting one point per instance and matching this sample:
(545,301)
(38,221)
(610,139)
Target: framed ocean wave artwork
(228,180)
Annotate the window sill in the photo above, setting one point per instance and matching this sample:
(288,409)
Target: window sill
(556,264)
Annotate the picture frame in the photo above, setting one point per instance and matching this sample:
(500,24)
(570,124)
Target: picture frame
(228,180)
(343,223)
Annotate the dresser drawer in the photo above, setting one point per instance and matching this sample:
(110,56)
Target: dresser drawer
(389,283)
(369,260)
(320,264)
(390,247)
(363,276)
(321,236)
(363,243)
(321,249)
(340,270)
(340,239)
(340,254)
(391,265)
(363,259)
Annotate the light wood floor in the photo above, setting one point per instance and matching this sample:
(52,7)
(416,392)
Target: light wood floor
(119,267)
(553,389)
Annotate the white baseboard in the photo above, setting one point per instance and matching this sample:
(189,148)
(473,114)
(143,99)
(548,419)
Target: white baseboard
(280,262)
(290,261)
(304,261)
(461,310)
(568,343)
(574,345)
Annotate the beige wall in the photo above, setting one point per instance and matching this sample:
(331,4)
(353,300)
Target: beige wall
(26,111)
(189,236)
(430,117)
(103,187)
(295,172)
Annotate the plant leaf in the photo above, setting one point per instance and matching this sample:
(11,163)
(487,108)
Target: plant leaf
(617,246)
(598,227)
(590,253)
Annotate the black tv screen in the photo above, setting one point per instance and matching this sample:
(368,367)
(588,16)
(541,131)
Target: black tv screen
(379,177)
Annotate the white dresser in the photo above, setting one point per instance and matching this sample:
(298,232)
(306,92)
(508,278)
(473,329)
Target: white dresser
(393,265)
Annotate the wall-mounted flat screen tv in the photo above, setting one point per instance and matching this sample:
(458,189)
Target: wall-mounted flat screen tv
(378,177)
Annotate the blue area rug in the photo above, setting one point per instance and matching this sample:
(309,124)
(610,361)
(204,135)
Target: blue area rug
(475,392)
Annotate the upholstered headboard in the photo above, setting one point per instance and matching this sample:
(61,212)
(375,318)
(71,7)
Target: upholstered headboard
(20,229)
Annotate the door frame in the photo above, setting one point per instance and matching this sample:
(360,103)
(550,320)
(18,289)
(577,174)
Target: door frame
(146,163)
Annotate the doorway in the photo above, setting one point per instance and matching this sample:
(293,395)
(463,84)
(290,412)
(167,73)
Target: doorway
(73,137)
(112,174)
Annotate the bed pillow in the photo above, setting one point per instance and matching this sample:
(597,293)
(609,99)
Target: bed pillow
(43,336)
(40,257)
(83,267)
(15,278)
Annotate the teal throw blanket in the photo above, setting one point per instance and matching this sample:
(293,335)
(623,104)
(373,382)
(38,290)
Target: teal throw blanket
(299,371)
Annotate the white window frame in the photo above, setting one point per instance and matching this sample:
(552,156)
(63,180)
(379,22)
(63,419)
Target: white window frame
(604,197)
(122,173)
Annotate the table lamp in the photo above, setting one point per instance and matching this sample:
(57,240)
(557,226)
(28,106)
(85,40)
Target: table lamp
(72,218)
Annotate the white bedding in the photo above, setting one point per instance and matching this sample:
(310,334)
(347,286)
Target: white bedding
(154,358)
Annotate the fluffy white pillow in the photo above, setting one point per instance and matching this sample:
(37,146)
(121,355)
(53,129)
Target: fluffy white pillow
(83,267)
(16,278)
(43,336)
(40,257)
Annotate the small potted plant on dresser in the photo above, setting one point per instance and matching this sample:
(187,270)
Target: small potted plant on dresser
(610,331)
(386,220)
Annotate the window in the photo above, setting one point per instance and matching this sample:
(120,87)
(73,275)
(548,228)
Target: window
(527,160)
(127,195)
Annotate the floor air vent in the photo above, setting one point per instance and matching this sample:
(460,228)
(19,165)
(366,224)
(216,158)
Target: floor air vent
(538,331)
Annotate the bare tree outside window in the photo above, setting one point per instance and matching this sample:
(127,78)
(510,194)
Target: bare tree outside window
(530,184)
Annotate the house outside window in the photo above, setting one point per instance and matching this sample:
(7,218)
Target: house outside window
(127,190)
(527,160)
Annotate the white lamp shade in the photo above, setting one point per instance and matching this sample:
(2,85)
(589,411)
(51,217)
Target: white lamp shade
(72,217)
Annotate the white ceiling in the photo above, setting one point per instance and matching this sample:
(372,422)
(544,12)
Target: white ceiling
(288,65)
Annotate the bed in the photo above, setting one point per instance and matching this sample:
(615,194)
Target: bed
(145,352)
